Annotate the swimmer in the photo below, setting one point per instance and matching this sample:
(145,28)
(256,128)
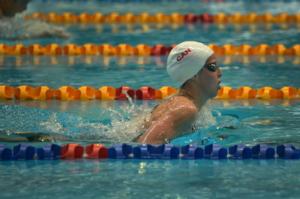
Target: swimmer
(9,8)
(193,65)
(13,28)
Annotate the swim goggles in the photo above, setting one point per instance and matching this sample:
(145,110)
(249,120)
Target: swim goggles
(212,67)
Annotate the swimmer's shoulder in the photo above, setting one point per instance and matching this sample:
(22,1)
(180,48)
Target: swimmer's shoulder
(182,108)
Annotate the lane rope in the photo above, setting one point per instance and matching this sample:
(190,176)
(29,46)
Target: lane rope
(174,18)
(142,49)
(26,92)
(75,151)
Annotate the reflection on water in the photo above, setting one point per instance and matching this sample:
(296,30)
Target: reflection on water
(139,179)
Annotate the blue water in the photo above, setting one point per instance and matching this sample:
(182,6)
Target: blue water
(224,122)
(150,179)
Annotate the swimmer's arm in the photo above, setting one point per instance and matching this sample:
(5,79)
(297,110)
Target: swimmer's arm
(165,128)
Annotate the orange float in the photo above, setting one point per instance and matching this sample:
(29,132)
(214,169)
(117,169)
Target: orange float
(220,18)
(243,49)
(72,49)
(144,18)
(8,92)
(142,50)
(98,18)
(53,49)
(85,18)
(107,93)
(261,49)
(217,49)
(107,50)
(289,92)
(250,18)
(245,92)
(89,49)
(113,17)
(18,49)
(278,49)
(69,93)
(269,93)
(167,91)
(53,18)
(293,51)
(281,18)
(226,92)
(235,18)
(266,18)
(89,93)
(124,50)
(176,18)
(161,18)
(45,93)
(28,93)
(228,49)
(68,17)
(128,18)
(36,49)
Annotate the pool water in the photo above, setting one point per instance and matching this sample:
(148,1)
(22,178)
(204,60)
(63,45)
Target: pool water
(223,122)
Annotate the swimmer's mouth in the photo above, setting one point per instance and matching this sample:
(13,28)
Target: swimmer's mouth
(219,84)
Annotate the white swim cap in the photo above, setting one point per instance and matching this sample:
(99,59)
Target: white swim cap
(186,59)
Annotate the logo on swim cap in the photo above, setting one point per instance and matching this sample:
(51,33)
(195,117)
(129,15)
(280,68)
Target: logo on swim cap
(183,54)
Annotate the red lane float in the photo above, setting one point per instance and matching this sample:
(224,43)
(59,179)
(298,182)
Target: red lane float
(72,151)
(123,92)
(96,151)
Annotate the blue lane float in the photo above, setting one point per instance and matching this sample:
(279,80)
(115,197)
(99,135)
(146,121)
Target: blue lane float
(23,152)
(162,152)
(287,151)
(5,153)
(263,151)
(191,152)
(120,151)
(51,152)
(240,152)
(215,151)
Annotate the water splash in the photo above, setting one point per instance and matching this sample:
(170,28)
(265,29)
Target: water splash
(17,28)
(125,123)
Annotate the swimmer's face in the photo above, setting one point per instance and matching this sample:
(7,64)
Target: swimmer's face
(209,77)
